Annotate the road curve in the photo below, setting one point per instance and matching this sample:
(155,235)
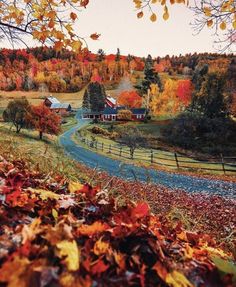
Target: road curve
(131,172)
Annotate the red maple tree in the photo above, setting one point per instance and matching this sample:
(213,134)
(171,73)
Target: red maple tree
(43,120)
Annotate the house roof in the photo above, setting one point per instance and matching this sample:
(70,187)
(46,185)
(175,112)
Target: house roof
(60,106)
(53,100)
(139,111)
(110,111)
(89,112)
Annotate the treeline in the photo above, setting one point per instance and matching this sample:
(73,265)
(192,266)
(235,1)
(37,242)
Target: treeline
(44,68)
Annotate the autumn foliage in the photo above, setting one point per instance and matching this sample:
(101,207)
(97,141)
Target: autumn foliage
(64,233)
(42,119)
(130,99)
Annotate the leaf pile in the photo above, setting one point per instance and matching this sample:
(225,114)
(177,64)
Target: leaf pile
(59,233)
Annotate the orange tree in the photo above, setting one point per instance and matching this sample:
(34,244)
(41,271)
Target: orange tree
(43,120)
(130,99)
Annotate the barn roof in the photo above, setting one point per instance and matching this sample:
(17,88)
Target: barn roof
(112,100)
(60,106)
(53,100)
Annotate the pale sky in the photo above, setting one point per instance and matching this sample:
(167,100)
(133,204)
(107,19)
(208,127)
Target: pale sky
(119,27)
(117,22)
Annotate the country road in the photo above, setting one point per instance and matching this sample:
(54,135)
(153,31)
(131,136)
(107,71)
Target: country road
(131,172)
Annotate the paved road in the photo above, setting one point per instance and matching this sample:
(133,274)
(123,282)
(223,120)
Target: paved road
(131,172)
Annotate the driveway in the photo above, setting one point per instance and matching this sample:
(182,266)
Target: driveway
(131,172)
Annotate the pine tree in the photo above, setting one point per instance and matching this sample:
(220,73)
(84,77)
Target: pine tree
(94,97)
(100,55)
(86,100)
(117,59)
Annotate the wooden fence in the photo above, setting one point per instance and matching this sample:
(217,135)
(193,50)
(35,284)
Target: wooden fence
(223,164)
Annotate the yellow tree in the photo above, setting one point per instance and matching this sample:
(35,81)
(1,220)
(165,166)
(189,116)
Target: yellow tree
(167,102)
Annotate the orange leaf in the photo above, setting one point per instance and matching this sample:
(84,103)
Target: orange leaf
(96,227)
(140,14)
(73,16)
(95,36)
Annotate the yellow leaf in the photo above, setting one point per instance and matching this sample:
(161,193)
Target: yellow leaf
(44,194)
(74,186)
(222,25)
(76,45)
(72,253)
(177,279)
(153,17)
(100,247)
(55,214)
(166,16)
(234,24)
(154,1)
(207,11)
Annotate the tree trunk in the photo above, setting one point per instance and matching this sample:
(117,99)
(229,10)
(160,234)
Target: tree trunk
(40,135)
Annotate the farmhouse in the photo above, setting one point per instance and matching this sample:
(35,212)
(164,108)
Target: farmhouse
(111,114)
(58,107)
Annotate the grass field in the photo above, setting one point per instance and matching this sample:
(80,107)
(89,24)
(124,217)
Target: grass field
(35,98)
(142,156)
(45,155)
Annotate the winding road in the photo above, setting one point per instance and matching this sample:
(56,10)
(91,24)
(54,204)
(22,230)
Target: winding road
(131,172)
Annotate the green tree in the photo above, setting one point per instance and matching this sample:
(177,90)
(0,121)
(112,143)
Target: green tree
(150,77)
(94,97)
(211,100)
(15,113)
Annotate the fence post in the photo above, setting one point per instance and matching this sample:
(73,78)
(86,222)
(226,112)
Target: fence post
(120,150)
(109,149)
(223,162)
(96,144)
(176,159)
(102,146)
(151,156)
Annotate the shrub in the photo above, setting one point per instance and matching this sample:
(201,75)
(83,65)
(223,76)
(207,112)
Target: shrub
(198,132)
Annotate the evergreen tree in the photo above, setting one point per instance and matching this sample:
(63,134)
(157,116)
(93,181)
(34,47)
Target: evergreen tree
(86,100)
(117,59)
(94,97)
(100,55)
(211,100)
(150,77)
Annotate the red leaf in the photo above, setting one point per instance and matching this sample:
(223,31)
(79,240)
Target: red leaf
(95,36)
(141,210)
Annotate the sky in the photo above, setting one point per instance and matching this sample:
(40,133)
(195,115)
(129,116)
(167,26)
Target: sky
(119,27)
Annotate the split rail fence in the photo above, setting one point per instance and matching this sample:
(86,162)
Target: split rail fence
(222,164)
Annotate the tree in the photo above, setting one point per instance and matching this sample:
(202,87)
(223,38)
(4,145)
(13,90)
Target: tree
(130,99)
(184,91)
(150,77)
(94,97)
(133,138)
(166,102)
(211,100)
(44,21)
(43,120)
(117,58)
(100,55)
(15,112)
